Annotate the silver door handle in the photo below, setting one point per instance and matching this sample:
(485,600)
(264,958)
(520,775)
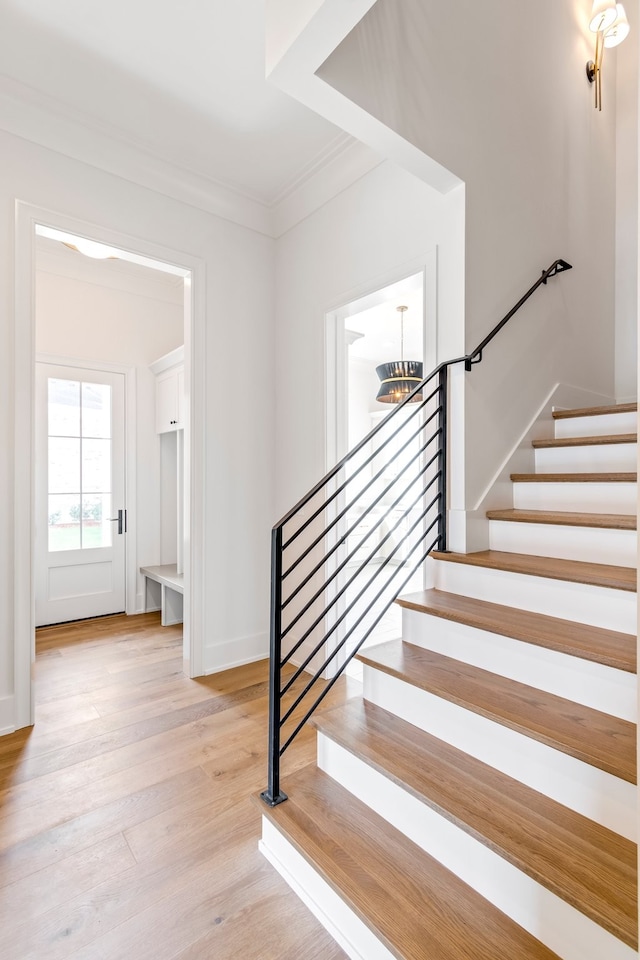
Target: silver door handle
(121,520)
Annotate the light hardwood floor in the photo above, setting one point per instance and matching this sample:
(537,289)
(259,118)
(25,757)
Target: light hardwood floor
(126,825)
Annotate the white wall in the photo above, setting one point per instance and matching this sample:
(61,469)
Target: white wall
(239,361)
(496,92)
(373,233)
(106,311)
(627,210)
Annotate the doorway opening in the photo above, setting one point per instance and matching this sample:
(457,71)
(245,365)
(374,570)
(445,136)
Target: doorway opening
(367,333)
(91,363)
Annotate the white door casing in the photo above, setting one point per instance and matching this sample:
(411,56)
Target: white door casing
(79,491)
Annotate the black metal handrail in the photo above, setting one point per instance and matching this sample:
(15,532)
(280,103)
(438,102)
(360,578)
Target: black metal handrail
(322,608)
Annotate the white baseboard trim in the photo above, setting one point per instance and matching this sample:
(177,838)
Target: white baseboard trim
(235,653)
(7,715)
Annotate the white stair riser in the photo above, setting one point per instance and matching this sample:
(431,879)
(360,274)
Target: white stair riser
(591,544)
(599,606)
(596,426)
(581,681)
(591,458)
(543,914)
(577,497)
(343,924)
(592,792)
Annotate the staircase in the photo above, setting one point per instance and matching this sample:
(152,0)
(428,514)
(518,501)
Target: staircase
(479,802)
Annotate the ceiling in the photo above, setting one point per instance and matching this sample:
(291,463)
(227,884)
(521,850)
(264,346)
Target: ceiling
(181,81)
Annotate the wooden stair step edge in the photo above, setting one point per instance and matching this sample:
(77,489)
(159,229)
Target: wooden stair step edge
(599,645)
(574,571)
(585,864)
(595,411)
(413,904)
(574,477)
(566,518)
(585,441)
(561,724)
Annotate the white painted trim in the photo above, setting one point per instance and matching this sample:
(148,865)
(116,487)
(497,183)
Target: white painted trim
(327,906)
(7,715)
(27,215)
(28,113)
(169,360)
(130,433)
(335,381)
(235,653)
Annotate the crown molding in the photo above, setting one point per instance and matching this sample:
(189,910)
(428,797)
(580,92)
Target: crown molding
(28,114)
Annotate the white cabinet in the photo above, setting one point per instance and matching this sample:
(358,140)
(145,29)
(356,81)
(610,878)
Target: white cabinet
(169,371)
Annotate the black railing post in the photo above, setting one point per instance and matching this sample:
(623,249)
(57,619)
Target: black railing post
(273,795)
(442,482)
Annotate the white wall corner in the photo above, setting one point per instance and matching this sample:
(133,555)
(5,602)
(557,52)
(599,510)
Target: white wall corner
(7,716)
(235,653)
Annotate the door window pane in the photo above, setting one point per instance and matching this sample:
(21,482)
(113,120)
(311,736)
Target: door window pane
(64,522)
(96,410)
(64,408)
(64,465)
(96,466)
(96,525)
(79,465)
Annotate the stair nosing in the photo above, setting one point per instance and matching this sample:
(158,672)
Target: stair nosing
(619,477)
(525,626)
(604,440)
(566,518)
(607,410)
(505,688)
(474,778)
(607,576)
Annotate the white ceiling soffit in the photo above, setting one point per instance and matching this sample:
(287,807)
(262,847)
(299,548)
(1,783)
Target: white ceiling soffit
(301,35)
(173,96)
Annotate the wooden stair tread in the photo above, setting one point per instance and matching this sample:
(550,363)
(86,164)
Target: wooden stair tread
(595,411)
(574,571)
(597,644)
(609,521)
(561,724)
(585,441)
(574,477)
(414,905)
(587,865)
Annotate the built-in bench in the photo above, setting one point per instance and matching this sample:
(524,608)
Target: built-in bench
(163,590)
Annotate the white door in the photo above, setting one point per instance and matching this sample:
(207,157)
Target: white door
(80,509)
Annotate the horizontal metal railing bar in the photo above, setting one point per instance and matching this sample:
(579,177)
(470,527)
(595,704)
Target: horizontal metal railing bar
(343,666)
(348,583)
(303,501)
(336,493)
(354,526)
(352,553)
(344,512)
(338,517)
(556,267)
(346,612)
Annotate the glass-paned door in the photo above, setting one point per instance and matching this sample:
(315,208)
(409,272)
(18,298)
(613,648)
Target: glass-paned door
(81,520)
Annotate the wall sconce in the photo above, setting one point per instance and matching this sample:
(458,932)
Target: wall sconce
(610,25)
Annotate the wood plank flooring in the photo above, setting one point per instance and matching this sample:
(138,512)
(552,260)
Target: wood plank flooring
(126,827)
